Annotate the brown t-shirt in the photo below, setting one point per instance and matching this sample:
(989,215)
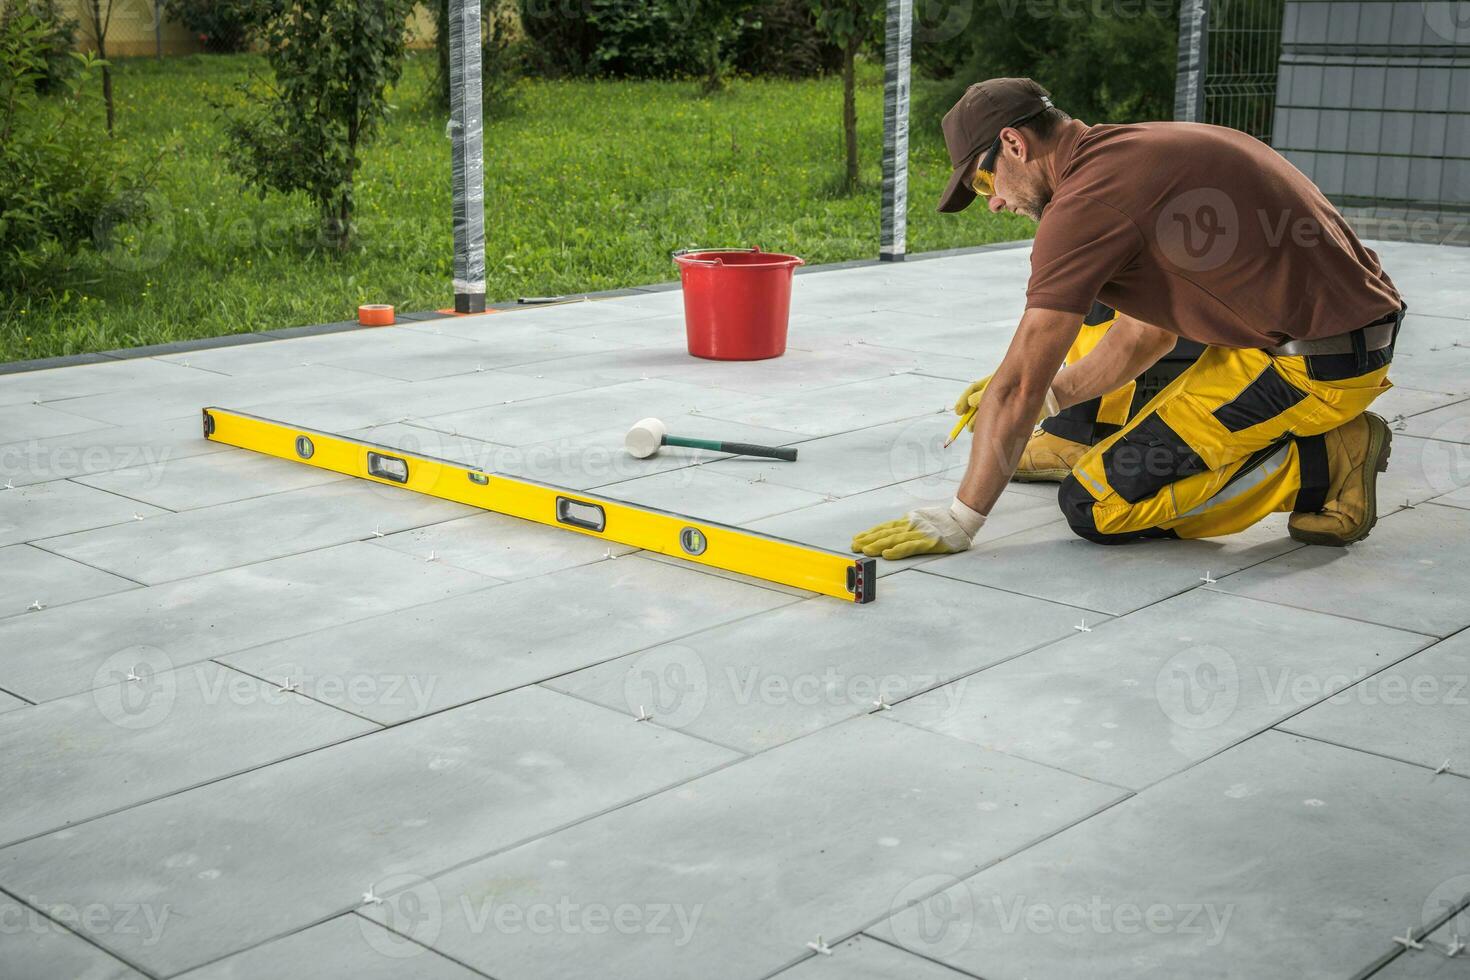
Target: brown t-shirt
(1202,231)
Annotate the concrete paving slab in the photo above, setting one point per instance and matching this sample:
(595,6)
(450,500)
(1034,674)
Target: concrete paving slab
(29,576)
(866,958)
(833,524)
(550,318)
(501,547)
(397,401)
(359,817)
(348,947)
(1409,574)
(489,642)
(564,416)
(504,349)
(149,444)
(1446,369)
(796,371)
(206,481)
(1446,423)
(1280,857)
(1417,710)
(323,349)
(607,367)
(1401,401)
(659,327)
(697,868)
(844,407)
(834,661)
(1156,691)
(129,741)
(44,510)
(196,542)
(62,651)
(185,399)
(90,379)
(9,702)
(41,422)
(1052,562)
(727,497)
(861,460)
(1425,469)
(34,947)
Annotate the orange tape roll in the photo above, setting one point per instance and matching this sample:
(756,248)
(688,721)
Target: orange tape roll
(375,315)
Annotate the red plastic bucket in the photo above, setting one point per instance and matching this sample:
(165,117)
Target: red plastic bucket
(736,302)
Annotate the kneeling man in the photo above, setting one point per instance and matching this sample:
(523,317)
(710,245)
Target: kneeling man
(1191,231)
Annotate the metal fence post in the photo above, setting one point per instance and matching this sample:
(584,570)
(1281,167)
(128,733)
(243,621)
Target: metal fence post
(1194,49)
(898,40)
(467,164)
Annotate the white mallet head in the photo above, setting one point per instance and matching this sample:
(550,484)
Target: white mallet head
(644,438)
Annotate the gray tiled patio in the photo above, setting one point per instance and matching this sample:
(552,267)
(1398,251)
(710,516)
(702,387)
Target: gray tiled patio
(259,721)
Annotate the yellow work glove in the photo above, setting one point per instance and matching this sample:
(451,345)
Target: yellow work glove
(971,398)
(972,394)
(928,531)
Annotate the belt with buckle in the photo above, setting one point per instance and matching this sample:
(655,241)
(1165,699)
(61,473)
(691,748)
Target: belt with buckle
(1376,336)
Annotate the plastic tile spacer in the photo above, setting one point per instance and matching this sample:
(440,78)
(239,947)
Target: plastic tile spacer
(642,715)
(820,947)
(1407,940)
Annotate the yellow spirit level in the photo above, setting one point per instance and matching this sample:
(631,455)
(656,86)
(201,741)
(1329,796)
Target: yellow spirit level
(703,542)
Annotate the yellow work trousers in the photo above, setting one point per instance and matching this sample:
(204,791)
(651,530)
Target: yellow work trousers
(1235,437)
(1114,406)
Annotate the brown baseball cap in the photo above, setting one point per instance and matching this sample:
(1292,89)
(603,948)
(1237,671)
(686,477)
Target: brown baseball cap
(976,120)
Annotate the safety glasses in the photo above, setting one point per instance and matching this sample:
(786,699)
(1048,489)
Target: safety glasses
(983,182)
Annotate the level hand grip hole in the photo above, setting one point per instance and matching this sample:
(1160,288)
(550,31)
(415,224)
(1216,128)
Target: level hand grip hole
(579,513)
(387,467)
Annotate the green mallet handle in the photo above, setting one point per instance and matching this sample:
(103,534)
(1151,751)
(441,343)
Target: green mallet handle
(733,448)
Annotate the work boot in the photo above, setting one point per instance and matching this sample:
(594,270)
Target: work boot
(1357,452)
(1048,458)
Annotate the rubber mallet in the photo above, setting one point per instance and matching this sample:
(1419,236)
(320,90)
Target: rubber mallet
(645,438)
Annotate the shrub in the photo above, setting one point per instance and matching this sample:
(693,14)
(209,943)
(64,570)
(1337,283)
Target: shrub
(1102,63)
(787,42)
(499,56)
(302,134)
(223,26)
(57,39)
(636,38)
(61,186)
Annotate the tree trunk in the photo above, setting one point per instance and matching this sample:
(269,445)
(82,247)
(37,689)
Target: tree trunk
(849,111)
(99,31)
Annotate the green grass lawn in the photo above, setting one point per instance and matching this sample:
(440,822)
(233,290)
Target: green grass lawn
(589,186)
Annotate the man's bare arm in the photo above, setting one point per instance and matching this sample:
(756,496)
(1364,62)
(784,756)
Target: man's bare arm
(1013,402)
(1125,351)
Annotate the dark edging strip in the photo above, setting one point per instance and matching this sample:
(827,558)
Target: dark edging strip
(317,329)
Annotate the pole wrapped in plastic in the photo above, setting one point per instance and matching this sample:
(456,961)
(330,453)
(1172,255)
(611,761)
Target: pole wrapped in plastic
(898,40)
(468,156)
(1193,61)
